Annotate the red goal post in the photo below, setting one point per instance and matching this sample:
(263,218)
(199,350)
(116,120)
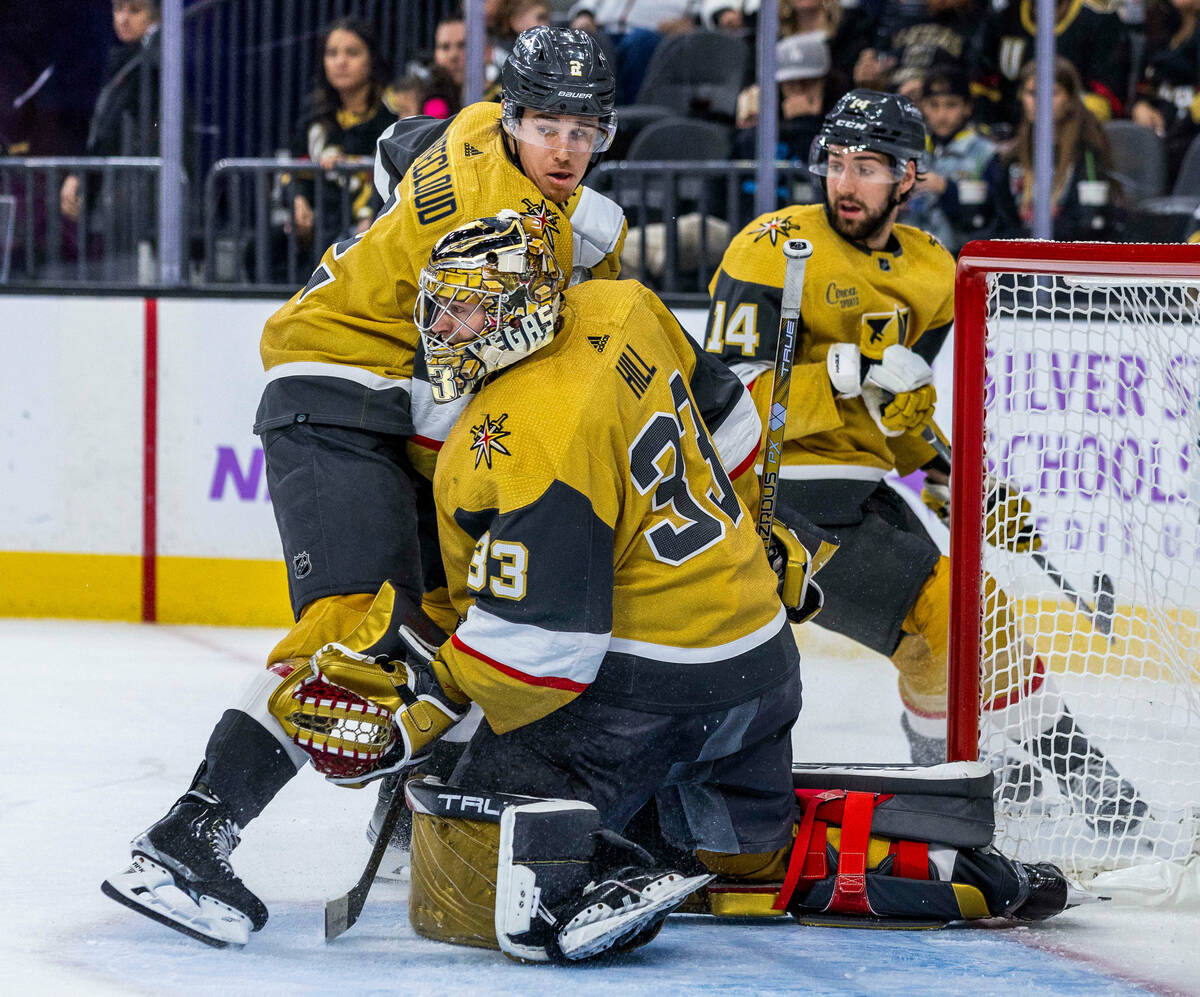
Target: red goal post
(976,263)
(1077,386)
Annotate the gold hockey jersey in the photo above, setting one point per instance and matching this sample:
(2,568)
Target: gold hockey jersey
(590,533)
(902,294)
(344,350)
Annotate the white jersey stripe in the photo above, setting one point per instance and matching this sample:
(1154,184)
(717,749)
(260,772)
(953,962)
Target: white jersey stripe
(700,655)
(434,420)
(532,650)
(827,472)
(738,436)
(376,382)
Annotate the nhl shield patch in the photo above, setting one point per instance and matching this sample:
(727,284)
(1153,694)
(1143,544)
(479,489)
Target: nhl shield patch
(302,565)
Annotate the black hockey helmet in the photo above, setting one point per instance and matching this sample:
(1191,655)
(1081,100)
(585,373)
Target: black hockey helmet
(871,121)
(559,71)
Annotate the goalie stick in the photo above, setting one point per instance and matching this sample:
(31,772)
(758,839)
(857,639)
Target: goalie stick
(1101,615)
(343,911)
(796,253)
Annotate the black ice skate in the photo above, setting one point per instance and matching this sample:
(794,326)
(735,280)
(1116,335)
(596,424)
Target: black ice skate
(181,877)
(1050,893)
(624,911)
(1109,803)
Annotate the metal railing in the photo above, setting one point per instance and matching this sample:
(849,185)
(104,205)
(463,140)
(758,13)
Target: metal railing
(250,236)
(112,240)
(682,215)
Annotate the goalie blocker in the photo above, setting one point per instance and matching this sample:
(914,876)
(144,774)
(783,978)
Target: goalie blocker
(896,847)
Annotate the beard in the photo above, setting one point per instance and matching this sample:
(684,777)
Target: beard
(865,226)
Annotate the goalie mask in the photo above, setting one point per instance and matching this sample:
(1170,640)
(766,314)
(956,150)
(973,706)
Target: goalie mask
(488,297)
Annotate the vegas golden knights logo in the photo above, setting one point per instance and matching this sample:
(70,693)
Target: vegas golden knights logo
(879,330)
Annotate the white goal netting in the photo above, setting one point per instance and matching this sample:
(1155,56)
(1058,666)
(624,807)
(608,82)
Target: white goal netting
(1091,413)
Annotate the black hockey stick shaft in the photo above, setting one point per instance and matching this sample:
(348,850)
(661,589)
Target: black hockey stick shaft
(343,911)
(796,253)
(1099,621)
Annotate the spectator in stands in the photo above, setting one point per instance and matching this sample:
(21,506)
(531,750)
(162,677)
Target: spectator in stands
(634,29)
(513,17)
(348,117)
(1086,200)
(1091,37)
(125,118)
(950,199)
(936,32)
(808,88)
(1167,98)
(449,67)
(735,17)
(849,29)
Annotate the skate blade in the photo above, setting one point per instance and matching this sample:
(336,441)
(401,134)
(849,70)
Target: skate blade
(598,928)
(150,889)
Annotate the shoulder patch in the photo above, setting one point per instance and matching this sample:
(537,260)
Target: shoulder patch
(470,150)
(634,371)
(773,228)
(485,439)
(541,212)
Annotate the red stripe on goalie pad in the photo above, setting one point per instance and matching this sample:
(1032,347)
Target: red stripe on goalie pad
(850,885)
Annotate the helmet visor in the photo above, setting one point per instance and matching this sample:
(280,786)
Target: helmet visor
(559,131)
(856,162)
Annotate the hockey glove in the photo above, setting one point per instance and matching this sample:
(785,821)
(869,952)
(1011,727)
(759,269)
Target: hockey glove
(403,697)
(1008,519)
(898,391)
(937,497)
(801,596)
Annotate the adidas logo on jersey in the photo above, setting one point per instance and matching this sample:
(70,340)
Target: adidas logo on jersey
(598,343)
(470,150)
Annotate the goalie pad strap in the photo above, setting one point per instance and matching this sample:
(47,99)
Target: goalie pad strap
(850,885)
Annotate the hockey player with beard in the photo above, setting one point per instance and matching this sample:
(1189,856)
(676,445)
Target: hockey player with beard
(878,303)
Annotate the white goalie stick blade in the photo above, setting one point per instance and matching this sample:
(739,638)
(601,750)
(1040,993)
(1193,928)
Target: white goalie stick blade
(150,889)
(599,926)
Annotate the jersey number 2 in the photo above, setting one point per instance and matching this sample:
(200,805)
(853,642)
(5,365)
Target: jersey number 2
(665,434)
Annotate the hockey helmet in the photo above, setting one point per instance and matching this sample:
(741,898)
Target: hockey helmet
(871,121)
(559,71)
(488,297)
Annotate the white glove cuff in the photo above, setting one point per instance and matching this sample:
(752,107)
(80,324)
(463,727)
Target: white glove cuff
(844,368)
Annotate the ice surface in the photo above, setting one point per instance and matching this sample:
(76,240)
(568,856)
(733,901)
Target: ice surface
(107,723)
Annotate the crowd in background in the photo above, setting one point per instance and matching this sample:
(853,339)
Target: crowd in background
(966,63)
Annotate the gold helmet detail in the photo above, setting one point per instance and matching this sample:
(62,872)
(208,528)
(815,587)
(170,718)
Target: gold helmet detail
(488,297)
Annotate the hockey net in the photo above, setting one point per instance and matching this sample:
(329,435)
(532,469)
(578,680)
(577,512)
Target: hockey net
(1076,380)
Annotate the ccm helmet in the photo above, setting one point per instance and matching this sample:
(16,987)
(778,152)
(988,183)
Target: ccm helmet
(558,71)
(871,121)
(488,297)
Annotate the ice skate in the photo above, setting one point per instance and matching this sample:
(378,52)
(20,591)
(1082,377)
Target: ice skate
(1109,803)
(1050,893)
(622,912)
(1018,780)
(181,876)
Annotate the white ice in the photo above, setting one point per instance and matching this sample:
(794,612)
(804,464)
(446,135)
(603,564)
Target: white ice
(107,723)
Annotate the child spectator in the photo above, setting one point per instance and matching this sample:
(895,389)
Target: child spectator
(950,198)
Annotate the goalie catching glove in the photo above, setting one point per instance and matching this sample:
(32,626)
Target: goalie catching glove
(898,391)
(1008,516)
(360,714)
